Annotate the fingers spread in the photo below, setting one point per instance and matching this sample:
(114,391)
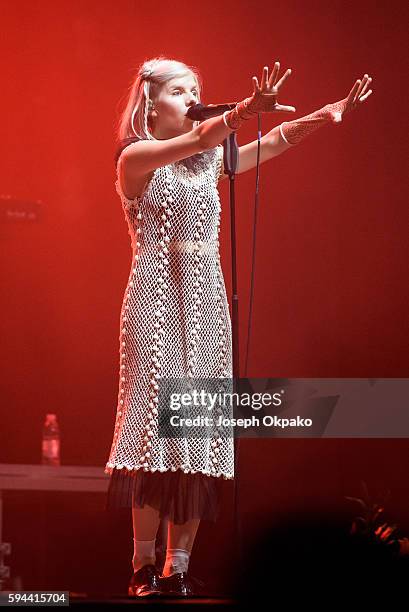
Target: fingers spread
(366,84)
(283,78)
(285,109)
(355,98)
(362,85)
(352,93)
(274,75)
(363,98)
(264,77)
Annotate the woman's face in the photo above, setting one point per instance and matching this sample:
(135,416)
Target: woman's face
(170,107)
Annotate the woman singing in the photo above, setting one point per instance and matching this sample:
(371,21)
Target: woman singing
(175,320)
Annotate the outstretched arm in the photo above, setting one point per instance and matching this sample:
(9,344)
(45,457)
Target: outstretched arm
(290,133)
(271,145)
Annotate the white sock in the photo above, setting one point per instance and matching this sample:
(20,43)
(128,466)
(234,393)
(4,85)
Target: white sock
(144,553)
(177,560)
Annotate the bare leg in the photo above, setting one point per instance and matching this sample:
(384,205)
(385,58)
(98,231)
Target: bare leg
(161,544)
(145,526)
(180,544)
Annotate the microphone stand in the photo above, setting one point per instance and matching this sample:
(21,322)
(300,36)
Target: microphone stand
(230,161)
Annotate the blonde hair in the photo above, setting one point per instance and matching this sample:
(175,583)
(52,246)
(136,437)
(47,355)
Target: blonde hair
(152,75)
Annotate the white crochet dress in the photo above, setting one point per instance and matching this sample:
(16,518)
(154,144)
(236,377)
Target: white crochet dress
(175,319)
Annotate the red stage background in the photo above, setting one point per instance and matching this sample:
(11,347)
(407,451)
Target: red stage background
(331,288)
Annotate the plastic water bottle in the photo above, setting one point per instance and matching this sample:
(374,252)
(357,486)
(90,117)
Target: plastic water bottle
(51,441)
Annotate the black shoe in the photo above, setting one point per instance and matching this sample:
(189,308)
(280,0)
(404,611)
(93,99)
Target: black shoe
(144,582)
(181,585)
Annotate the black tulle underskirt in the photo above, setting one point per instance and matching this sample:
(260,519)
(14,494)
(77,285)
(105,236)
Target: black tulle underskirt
(179,497)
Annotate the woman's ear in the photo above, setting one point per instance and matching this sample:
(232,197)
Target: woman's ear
(151,109)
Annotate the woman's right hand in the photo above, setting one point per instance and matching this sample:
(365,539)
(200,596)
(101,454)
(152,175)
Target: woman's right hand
(264,98)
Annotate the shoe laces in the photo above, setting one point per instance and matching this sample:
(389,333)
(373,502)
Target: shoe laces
(189,579)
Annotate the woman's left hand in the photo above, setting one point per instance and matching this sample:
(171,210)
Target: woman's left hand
(355,97)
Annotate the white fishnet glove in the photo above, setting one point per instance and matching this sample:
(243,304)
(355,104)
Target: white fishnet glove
(263,100)
(294,131)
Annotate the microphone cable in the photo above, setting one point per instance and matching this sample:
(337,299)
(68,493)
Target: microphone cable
(236,488)
(253,255)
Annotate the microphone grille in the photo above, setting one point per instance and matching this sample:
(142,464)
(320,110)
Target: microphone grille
(193,112)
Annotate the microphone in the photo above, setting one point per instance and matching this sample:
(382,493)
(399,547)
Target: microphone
(199,112)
